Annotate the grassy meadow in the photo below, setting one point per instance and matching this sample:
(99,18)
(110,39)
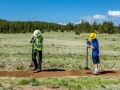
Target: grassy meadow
(61,50)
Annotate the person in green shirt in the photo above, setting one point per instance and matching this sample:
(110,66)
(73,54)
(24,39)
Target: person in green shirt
(37,46)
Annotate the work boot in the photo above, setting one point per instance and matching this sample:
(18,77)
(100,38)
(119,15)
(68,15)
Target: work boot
(38,70)
(35,69)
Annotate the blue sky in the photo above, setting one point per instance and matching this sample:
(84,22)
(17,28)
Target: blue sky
(61,11)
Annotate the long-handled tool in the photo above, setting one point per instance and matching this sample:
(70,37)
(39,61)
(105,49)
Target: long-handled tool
(32,41)
(87,42)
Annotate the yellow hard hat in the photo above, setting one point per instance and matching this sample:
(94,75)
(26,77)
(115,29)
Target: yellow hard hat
(92,36)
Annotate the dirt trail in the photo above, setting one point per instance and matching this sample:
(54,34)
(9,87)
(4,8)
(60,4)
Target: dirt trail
(58,73)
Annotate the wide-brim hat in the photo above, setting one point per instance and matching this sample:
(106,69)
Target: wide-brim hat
(92,36)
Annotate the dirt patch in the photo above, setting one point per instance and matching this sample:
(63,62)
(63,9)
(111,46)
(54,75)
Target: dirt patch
(28,87)
(58,73)
(53,73)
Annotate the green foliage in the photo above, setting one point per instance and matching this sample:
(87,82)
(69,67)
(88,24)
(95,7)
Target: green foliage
(30,81)
(83,83)
(83,27)
(0,85)
(19,66)
(33,82)
(72,83)
(24,82)
(77,32)
(108,27)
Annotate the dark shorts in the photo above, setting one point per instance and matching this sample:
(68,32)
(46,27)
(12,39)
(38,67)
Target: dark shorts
(95,59)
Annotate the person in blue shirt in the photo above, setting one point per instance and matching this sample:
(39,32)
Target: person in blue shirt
(94,45)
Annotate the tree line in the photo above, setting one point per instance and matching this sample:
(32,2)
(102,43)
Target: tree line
(83,27)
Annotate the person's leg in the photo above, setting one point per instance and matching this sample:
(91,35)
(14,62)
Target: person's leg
(39,60)
(34,54)
(96,67)
(96,62)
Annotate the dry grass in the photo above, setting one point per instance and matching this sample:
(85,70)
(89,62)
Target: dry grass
(62,51)
(67,49)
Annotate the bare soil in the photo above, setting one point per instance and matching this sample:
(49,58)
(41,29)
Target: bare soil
(53,73)
(58,73)
(28,87)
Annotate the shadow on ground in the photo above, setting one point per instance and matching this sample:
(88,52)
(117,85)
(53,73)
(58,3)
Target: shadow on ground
(107,72)
(54,69)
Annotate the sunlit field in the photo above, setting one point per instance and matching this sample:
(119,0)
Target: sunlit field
(62,50)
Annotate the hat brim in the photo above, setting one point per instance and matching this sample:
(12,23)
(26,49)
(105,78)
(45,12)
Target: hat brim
(35,35)
(92,37)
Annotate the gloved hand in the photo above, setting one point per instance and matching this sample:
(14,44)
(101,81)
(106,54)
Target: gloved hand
(32,41)
(38,44)
(88,46)
(88,42)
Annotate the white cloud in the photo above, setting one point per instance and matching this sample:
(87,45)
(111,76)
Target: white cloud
(114,13)
(95,17)
(78,22)
(88,18)
(62,23)
(99,17)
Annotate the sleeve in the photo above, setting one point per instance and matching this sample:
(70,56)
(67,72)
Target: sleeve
(41,41)
(31,39)
(96,44)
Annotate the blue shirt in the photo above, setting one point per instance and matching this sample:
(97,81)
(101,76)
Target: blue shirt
(95,44)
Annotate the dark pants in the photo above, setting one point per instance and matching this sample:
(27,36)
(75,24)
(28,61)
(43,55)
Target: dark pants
(95,59)
(37,59)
